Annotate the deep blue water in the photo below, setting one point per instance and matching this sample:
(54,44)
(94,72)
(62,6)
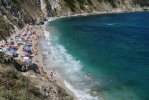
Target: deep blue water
(114,48)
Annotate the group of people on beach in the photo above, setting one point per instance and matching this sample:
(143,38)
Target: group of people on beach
(23,46)
(19,45)
(52,71)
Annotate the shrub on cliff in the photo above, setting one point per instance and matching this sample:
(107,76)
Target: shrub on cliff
(142,2)
(14,86)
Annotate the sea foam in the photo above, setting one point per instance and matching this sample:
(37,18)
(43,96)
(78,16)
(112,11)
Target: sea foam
(68,68)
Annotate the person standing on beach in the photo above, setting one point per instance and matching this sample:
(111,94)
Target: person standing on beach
(51,75)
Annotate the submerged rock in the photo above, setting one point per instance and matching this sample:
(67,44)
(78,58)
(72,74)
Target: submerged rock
(95,91)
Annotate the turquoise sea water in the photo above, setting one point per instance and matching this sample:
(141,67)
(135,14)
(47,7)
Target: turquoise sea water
(109,52)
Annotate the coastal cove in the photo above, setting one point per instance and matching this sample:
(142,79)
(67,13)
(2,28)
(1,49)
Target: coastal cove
(108,52)
(74,49)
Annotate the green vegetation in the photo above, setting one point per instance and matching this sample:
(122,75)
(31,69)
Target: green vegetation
(4,28)
(71,4)
(16,2)
(112,2)
(81,1)
(14,86)
(90,2)
(142,2)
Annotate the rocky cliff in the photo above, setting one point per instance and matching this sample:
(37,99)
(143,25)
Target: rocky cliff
(69,7)
(15,13)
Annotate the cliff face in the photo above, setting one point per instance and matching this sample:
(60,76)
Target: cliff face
(69,7)
(17,12)
(14,13)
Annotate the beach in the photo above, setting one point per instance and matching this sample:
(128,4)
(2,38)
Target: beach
(45,73)
(23,47)
(80,49)
(97,48)
(42,58)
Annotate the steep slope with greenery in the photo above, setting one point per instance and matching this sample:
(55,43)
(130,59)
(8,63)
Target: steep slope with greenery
(14,86)
(17,12)
(141,2)
(68,7)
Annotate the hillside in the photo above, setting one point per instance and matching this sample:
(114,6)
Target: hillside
(15,86)
(14,14)
(68,7)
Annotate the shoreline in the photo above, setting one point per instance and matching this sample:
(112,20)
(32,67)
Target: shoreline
(42,60)
(94,13)
(78,15)
(39,59)
(34,70)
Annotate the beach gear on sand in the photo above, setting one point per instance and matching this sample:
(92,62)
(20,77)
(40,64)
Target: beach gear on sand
(28,60)
(19,41)
(20,45)
(26,54)
(26,47)
(11,51)
(1,50)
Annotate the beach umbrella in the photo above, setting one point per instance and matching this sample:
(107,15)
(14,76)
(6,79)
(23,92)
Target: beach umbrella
(27,48)
(19,51)
(29,60)
(26,53)
(28,44)
(9,53)
(12,51)
(26,58)
(28,38)
(19,41)
(1,50)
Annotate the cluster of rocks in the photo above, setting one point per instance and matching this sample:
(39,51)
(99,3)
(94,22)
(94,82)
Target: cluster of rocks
(54,92)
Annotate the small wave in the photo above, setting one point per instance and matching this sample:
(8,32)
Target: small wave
(79,93)
(68,68)
(111,24)
(47,35)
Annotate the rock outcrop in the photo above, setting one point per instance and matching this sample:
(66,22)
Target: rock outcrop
(70,7)
(15,13)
